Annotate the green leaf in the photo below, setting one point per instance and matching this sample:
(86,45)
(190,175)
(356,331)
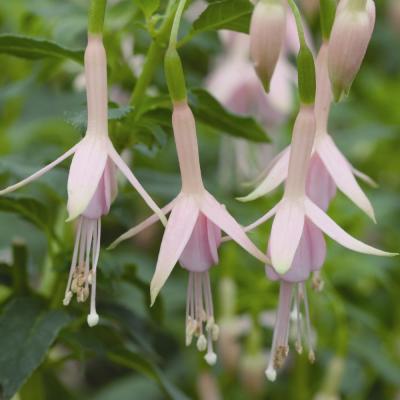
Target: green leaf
(209,111)
(226,14)
(79,119)
(137,362)
(149,7)
(29,209)
(34,48)
(27,332)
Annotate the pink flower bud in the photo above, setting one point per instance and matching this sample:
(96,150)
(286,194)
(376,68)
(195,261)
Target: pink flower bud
(351,33)
(267,33)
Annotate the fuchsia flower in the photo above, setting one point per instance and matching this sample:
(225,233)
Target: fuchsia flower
(295,207)
(267,33)
(192,235)
(332,162)
(351,33)
(296,244)
(91,182)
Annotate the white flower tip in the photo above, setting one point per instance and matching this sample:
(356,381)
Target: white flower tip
(270,373)
(67,298)
(281,266)
(154,290)
(93,319)
(211,358)
(201,343)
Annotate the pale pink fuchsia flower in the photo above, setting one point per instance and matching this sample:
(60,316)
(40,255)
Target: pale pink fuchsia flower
(192,234)
(351,33)
(267,34)
(295,207)
(332,162)
(91,182)
(289,293)
(198,256)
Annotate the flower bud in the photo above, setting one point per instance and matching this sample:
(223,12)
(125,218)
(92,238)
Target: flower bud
(267,33)
(351,33)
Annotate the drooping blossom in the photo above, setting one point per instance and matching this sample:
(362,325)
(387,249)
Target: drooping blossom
(267,34)
(296,207)
(192,235)
(91,182)
(350,36)
(198,256)
(330,159)
(309,258)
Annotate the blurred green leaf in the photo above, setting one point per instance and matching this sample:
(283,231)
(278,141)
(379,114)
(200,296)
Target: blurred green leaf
(79,119)
(29,209)
(34,48)
(27,332)
(226,14)
(149,7)
(209,111)
(137,362)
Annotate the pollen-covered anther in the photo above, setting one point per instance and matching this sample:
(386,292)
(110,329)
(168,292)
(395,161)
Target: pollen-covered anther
(201,343)
(311,356)
(317,282)
(280,356)
(298,346)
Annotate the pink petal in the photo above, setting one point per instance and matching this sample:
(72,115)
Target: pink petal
(341,173)
(86,170)
(120,163)
(367,179)
(143,225)
(197,255)
(39,173)
(334,231)
(286,232)
(214,239)
(320,187)
(310,256)
(177,233)
(221,217)
(275,177)
(256,223)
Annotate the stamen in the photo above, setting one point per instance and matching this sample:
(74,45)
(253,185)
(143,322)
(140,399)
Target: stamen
(298,345)
(317,282)
(311,354)
(83,269)
(200,315)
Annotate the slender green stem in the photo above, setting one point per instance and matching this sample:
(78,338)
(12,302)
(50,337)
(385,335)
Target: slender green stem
(96,16)
(175,27)
(154,58)
(299,22)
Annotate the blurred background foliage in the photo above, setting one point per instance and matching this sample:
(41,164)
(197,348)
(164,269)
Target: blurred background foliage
(136,352)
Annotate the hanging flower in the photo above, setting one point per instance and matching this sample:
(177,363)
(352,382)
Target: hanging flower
(350,36)
(193,200)
(332,161)
(296,208)
(91,182)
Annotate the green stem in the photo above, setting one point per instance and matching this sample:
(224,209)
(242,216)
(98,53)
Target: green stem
(299,22)
(175,27)
(96,16)
(154,58)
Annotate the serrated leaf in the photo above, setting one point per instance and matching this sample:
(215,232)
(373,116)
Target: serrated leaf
(209,111)
(27,332)
(226,14)
(79,119)
(36,48)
